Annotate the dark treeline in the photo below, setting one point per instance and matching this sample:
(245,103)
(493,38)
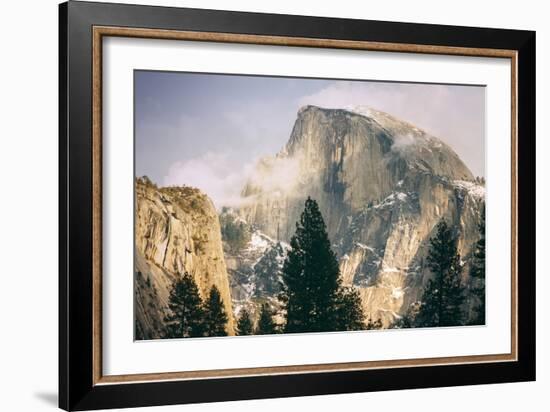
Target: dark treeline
(191,317)
(313,299)
(264,326)
(477,275)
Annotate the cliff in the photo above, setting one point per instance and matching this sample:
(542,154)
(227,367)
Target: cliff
(176,230)
(382,185)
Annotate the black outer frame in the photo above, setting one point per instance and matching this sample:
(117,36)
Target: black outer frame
(76,389)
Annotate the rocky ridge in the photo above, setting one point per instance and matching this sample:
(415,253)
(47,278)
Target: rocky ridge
(176,230)
(382,185)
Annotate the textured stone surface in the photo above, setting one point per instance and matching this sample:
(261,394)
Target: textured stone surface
(176,230)
(382,186)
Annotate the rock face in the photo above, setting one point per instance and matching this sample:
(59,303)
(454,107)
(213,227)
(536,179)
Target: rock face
(176,230)
(382,186)
(254,269)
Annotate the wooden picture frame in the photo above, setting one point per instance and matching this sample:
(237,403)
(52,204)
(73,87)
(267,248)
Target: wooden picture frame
(82,385)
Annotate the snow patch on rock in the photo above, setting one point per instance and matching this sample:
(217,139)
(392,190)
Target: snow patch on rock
(472,188)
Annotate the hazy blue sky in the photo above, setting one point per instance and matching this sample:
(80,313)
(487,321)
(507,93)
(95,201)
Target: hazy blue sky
(207,130)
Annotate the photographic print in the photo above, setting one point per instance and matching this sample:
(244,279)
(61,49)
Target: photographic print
(268,205)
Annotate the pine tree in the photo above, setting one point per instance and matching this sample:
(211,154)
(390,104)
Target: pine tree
(372,325)
(477,274)
(244,324)
(186,313)
(350,314)
(266,326)
(310,276)
(444,294)
(215,318)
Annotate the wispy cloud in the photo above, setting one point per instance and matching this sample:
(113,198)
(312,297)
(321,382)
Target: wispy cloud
(218,176)
(213,173)
(276,175)
(216,124)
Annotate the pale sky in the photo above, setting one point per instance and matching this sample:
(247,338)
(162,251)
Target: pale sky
(207,130)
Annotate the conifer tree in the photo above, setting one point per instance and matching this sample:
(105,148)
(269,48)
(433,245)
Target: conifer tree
(350,310)
(215,318)
(186,313)
(444,294)
(244,324)
(266,326)
(310,276)
(373,324)
(477,274)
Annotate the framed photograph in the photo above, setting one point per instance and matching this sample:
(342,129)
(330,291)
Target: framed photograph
(256,206)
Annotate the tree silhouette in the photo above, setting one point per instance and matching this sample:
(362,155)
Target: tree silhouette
(244,324)
(266,326)
(310,276)
(477,273)
(186,314)
(311,293)
(349,310)
(372,325)
(215,318)
(444,295)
